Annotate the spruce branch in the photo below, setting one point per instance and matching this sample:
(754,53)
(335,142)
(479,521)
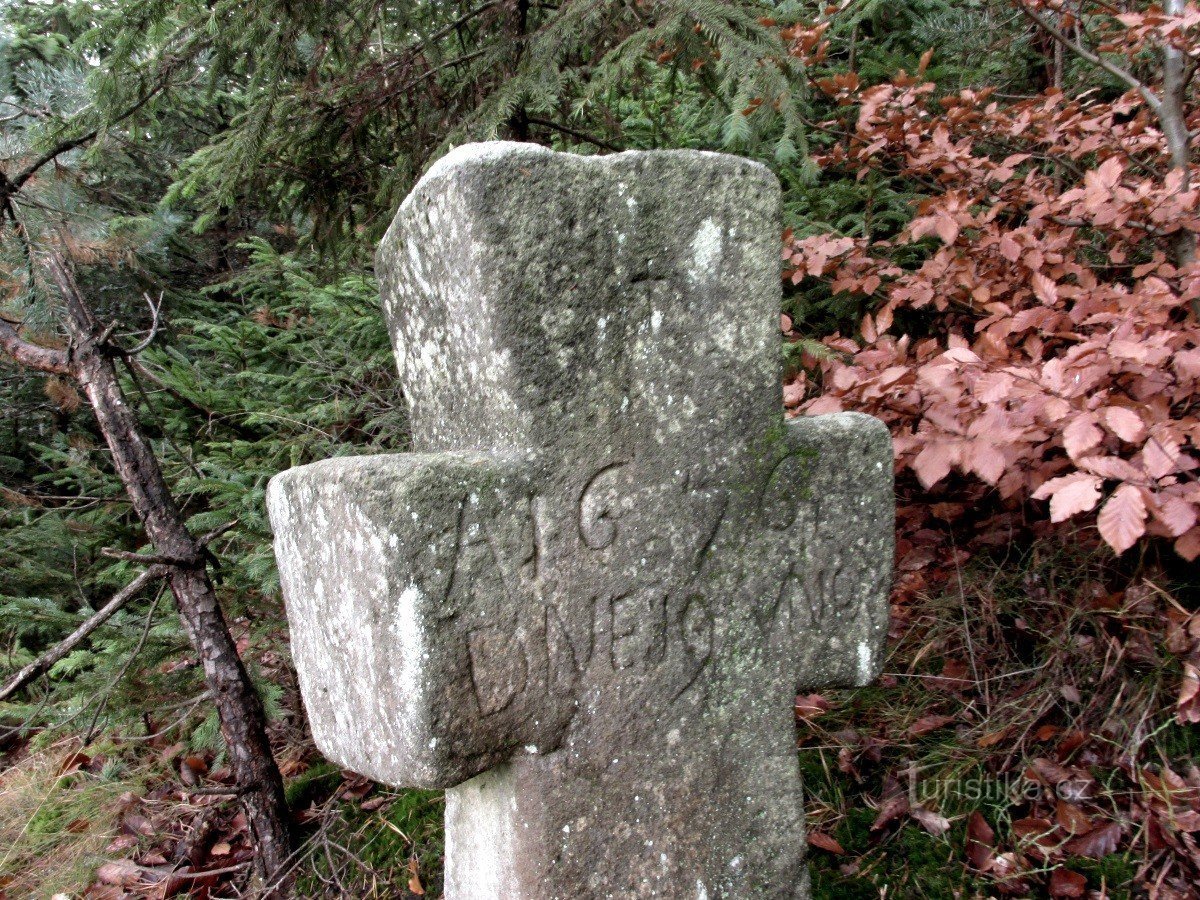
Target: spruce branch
(571,132)
(8,187)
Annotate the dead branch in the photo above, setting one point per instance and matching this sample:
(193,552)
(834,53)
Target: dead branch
(47,660)
(1151,98)
(239,708)
(40,359)
(154,312)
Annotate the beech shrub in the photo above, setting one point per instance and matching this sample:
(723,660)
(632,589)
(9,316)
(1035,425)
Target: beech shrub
(1046,343)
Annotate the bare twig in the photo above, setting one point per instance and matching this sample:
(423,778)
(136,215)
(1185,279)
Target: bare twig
(137,650)
(1095,59)
(149,339)
(140,558)
(209,537)
(231,791)
(191,704)
(578,135)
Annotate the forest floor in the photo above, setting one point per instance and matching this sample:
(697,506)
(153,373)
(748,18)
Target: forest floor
(1023,741)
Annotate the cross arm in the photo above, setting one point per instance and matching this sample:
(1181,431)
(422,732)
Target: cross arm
(413,624)
(831,503)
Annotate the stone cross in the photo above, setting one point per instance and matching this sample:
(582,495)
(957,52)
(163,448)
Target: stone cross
(585,603)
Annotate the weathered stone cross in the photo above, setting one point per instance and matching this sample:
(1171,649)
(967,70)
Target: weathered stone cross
(585,606)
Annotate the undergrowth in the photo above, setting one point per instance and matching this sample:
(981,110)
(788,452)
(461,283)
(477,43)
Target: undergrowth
(59,810)
(1021,742)
(1030,697)
(387,846)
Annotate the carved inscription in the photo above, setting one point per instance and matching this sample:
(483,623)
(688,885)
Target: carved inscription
(785,489)
(499,668)
(696,628)
(563,633)
(599,507)
(638,628)
(708,507)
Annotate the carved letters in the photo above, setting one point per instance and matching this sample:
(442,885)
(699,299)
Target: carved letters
(599,507)
(638,626)
(499,668)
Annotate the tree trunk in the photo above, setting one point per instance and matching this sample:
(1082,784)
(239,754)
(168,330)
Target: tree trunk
(243,721)
(1173,116)
(518,123)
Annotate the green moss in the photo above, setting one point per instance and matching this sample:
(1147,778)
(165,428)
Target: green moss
(384,841)
(1179,742)
(302,789)
(1116,871)
(911,863)
(411,825)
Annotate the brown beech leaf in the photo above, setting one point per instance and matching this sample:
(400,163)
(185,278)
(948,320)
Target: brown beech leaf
(1044,288)
(1123,518)
(1046,733)
(822,841)
(121,843)
(1110,467)
(1188,546)
(1080,435)
(1009,248)
(137,824)
(1161,456)
(1125,423)
(72,762)
(992,738)
(926,724)
(1177,515)
(1032,828)
(1065,883)
(121,872)
(891,809)
(1075,494)
(946,228)
(933,464)
(935,823)
(981,842)
(1072,819)
(1187,706)
(1097,843)
(414,878)
(810,705)
(1048,771)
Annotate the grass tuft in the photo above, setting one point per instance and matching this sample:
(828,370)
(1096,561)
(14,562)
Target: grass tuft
(59,810)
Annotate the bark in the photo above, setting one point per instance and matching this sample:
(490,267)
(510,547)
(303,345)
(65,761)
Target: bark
(243,721)
(1173,116)
(518,124)
(43,359)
